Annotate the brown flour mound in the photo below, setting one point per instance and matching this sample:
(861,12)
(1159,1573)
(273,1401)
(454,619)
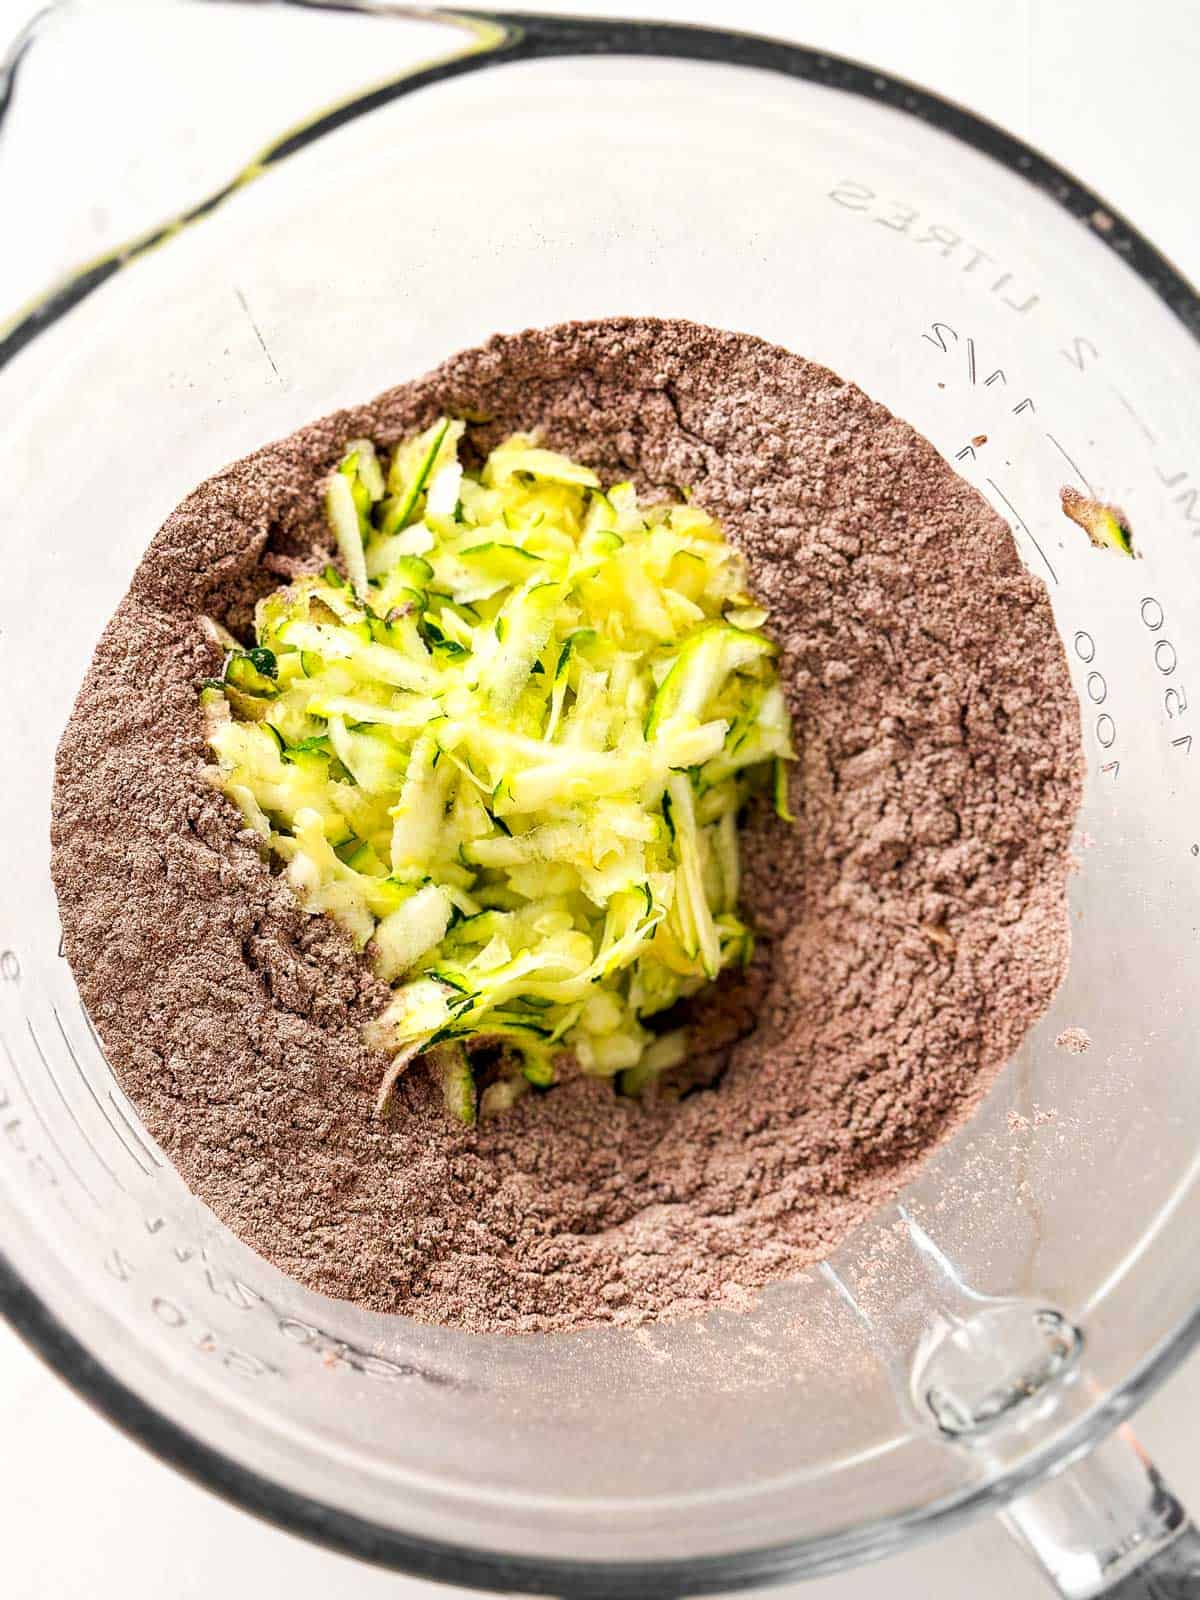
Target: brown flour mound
(913,923)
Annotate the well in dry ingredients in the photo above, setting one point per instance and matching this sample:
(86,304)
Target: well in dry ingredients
(506,752)
(908,929)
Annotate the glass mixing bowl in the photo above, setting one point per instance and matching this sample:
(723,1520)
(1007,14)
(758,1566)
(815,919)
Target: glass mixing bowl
(484,173)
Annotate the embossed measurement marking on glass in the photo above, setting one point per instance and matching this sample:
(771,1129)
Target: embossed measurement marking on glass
(50,1134)
(1166,660)
(12,1128)
(1032,537)
(1070,460)
(1096,689)
(44,1057)
(133,1134)
(946,340)
(908,222)
(1187,496)
(99,1104)
(332,1352)
(1150,437)
(119,1100)
(937,334)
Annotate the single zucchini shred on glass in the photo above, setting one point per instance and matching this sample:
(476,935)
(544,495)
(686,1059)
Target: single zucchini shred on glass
(505,746)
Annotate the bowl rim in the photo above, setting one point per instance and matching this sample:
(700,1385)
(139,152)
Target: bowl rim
(501,38)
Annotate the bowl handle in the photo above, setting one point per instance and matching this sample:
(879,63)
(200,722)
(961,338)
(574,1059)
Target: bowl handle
(1108,1525)
(998,1376)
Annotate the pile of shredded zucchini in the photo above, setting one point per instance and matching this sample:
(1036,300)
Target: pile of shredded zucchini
(505,748)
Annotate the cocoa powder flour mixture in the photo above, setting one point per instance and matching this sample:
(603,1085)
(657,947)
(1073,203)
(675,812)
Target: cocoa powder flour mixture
(912,923)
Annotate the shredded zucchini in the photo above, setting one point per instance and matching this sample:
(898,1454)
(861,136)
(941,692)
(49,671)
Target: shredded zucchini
(506,748)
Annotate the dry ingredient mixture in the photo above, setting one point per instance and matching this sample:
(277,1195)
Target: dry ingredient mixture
(911,926)
(1075,1041)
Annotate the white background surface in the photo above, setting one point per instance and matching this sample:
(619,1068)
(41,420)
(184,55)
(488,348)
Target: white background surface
(1108,89)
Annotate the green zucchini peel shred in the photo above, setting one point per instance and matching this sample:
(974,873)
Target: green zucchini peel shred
(506,747)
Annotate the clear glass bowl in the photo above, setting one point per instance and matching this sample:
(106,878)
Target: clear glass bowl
(1040,1274)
